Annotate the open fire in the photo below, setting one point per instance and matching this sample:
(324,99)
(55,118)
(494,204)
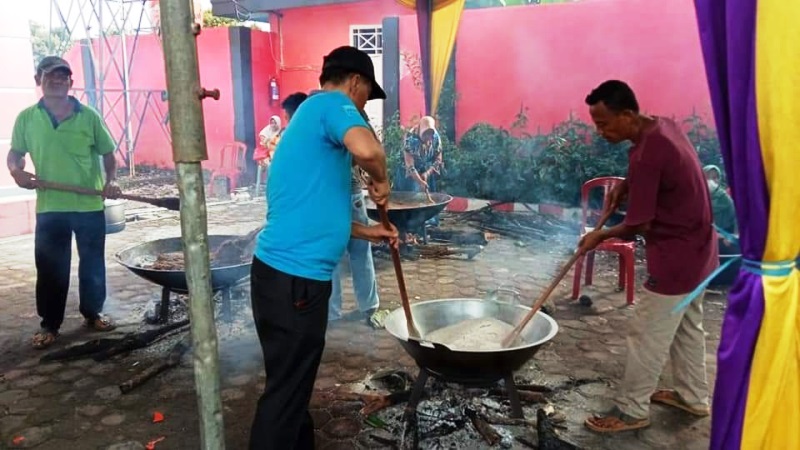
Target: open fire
(452,415)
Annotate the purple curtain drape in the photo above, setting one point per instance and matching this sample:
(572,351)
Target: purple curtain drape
(727,35)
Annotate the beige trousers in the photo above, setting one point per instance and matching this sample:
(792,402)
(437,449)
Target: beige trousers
(654,334)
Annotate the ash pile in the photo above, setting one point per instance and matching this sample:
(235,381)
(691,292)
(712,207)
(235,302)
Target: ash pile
(454,416)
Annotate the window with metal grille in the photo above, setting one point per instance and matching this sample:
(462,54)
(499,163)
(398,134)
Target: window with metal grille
(368,39)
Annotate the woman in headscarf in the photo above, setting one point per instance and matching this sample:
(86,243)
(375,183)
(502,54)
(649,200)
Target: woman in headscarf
(268,140)
(268,136)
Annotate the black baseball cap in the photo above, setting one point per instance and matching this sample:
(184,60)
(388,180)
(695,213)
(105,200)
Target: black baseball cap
(51,63)
(354,60)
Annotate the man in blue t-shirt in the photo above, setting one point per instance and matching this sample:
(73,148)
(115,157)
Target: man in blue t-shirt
(308,227)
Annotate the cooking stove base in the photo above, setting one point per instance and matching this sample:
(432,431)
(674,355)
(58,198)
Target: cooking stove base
(424,374)
(161,314)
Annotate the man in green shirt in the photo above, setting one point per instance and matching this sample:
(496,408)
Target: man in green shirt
(65,141)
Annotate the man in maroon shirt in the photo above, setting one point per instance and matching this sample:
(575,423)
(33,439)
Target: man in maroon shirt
(668,204)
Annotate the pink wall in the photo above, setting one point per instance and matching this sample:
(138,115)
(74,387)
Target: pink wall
(310,33)
(17,87)
(17,92)
(549,57)
(265,54)
(544,57)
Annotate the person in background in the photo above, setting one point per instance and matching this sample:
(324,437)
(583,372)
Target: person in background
(668,204)
(422,154)
(263,152)
(269,139)
(270,132)
(309,223)
(721,201)
(362,266)
(65,140)
(290,105)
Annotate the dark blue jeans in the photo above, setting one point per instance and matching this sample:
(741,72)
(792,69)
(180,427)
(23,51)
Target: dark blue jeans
(53,257)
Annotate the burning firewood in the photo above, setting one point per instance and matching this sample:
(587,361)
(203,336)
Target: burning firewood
(525,396)
(173,360)
(489,434)
(376,402)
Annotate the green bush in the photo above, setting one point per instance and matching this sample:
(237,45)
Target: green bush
(511,165)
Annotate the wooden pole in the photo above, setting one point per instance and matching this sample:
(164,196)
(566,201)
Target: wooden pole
(179,32)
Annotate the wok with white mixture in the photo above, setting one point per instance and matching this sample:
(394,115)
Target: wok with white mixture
(471,331)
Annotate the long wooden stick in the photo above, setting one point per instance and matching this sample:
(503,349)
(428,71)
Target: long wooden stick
(398,270)
(514,334)
(171,203)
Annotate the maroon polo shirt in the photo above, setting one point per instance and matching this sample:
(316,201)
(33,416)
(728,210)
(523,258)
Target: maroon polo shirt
(667,188)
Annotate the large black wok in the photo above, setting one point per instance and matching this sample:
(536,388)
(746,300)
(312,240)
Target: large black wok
(410,209)
(470,366)
(133,258)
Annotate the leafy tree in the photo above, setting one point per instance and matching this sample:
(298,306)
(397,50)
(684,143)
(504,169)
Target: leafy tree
(46,42)
(212,21)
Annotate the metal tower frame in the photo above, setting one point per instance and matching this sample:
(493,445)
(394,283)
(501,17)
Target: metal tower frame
(104,22)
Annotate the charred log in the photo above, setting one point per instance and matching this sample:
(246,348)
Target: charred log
(534,388)
(103,349)
(458,236)
(526,442)
(384,441)
(524,396)
(173,360)
(410,436)
(548,438)
(509,421)
(489,434)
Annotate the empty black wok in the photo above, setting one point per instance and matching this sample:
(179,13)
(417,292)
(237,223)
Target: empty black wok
(410,217)
(470,366)
(133,258)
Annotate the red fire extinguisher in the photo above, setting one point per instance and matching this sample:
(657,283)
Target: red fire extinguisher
(274,93)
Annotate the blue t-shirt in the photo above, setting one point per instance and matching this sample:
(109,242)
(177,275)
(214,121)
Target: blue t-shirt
(308,191)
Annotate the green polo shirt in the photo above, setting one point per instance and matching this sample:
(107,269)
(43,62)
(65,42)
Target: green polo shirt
(67,152)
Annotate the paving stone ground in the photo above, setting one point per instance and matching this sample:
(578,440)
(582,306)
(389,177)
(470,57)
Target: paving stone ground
(78,404)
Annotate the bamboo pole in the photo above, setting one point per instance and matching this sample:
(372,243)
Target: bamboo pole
(189,150)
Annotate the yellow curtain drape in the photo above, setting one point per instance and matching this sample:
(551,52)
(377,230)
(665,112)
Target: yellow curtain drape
(773,399)
(444,29)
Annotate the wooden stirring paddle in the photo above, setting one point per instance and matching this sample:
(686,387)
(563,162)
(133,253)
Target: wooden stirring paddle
(398,270)
(171,203)
(514,334)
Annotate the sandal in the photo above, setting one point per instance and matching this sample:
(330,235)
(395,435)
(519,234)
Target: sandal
(44,339)
(615,421)
(100,323)
(377,319)
(671,398)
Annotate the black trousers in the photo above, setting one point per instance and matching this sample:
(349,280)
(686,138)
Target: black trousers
(291,317)
(53,250)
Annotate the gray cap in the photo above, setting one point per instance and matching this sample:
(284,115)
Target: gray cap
(51,63)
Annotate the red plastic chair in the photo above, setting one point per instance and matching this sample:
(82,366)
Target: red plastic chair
(625,249)
(232,165)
